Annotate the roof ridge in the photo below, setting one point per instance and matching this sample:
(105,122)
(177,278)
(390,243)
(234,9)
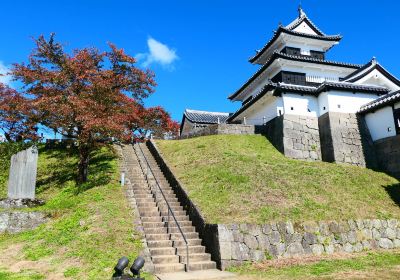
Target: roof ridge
(205,112)
(379,102)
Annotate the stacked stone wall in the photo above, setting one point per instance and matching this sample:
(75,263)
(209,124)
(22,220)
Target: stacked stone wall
(220,129)
(345,139)
(18,221)
(295,136)
(245,242)
(388,155)
(301,137)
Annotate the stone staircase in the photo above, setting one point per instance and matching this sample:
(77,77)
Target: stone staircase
(167,247)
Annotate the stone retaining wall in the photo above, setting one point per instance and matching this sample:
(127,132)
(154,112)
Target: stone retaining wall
(345,138)
(388,155)
(295,136)
(219,129)
(245,242)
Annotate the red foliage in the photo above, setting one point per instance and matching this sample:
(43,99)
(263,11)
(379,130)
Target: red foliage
(16,114)
(85,95)
(156,121)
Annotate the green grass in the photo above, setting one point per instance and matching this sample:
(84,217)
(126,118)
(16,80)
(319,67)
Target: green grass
(378,263)
(91,226)
(244,179)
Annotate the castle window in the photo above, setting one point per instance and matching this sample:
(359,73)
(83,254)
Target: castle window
(338,106)
(291,108)
(291,51)
(317,55)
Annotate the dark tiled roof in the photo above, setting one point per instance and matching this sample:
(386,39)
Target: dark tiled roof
(282,29)
(205,117)
(351,87)
(383,101)
(279,88)
(368,68)
(277,54)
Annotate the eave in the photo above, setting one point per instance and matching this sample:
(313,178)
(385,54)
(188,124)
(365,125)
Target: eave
(277,55)
(284,30)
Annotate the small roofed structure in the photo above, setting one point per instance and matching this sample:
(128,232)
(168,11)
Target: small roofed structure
(194,120)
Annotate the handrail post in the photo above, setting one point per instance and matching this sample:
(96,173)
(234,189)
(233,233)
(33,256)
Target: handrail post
(168,223)
(187,257)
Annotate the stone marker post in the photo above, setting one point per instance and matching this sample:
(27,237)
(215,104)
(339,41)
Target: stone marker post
(22,177)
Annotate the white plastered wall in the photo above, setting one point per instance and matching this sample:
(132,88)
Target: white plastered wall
(343,102)
(305,28)
(381,123)
(263,111)
(303,105)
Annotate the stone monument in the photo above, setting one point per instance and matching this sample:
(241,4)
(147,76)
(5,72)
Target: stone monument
(22,178)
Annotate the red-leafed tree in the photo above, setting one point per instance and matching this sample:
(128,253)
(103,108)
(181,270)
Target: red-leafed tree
(142,122)
(83,95)
(16,116)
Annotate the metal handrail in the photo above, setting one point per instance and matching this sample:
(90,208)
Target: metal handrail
(166,201)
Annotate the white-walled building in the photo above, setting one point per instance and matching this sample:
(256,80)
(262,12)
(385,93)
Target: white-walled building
(313,108)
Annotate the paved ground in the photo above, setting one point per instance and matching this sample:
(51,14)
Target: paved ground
(212,274)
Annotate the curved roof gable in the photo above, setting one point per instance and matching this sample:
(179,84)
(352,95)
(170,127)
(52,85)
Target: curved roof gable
(294,29)
(369,68)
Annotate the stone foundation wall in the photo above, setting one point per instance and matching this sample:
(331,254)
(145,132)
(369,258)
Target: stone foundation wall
(18,221)
(219,129)
(245,242)
(295,136)
(346,139)
(388,155)
(301,137)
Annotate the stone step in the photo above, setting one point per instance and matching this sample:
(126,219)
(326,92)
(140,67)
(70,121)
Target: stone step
(162,251)
(193,266)
(192,250)
(155,230)
(144,196)
(147,204)
(165,259)
(149,214)
(188,235)
(176,213)
(144,200)
(181,224)
(153,224)
(154,237)
(196,257)
(181,243)
(184,229)
(169,268)
(159,243)
(175,209)
(151,219)
(179,218)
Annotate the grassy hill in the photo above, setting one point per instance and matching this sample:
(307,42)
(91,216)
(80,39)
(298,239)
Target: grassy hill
(91,228)
(244,179)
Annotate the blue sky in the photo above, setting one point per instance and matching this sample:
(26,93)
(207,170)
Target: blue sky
(198,49)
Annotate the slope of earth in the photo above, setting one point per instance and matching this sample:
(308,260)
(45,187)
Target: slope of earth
(244,179)
(91,225)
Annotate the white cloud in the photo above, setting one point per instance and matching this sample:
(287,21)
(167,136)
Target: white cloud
(158,53)
(4,70)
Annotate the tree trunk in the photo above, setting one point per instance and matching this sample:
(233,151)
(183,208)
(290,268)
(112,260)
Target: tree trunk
(84,153)
(8,137)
